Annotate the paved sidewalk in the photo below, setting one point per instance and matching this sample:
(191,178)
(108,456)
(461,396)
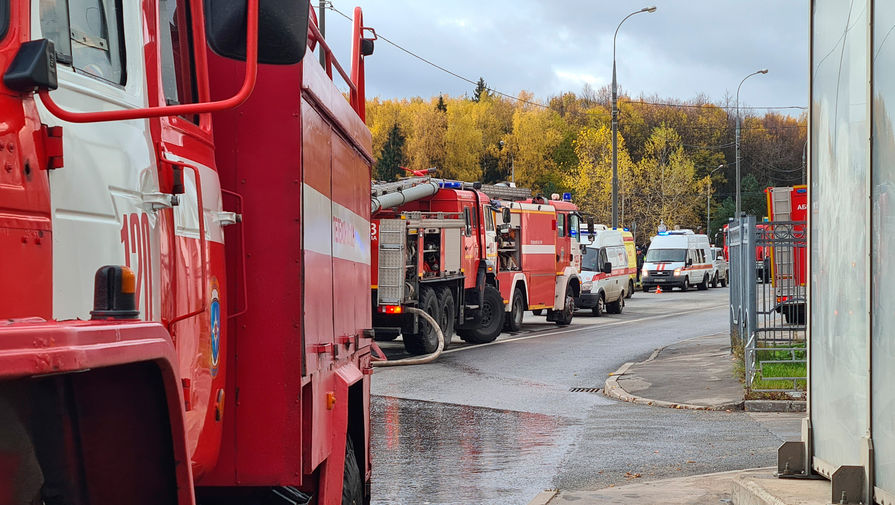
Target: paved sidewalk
(693,374)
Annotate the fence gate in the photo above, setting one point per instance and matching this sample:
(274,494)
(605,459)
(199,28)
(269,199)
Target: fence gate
(768,295)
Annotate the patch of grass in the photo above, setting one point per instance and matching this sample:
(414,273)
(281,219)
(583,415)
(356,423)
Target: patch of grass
(782,352)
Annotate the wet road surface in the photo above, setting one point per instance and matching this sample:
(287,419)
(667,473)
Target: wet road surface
(496,424)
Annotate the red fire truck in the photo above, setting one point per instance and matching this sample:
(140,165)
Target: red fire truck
(178,292)
(539,258)
(473,262)
(788,258)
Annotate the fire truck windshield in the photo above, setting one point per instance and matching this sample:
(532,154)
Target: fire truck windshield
(665,255)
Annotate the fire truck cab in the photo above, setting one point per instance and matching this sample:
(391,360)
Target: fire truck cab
(538,258)
(157,220)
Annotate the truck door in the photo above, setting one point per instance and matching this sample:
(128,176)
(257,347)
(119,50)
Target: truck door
(488,217)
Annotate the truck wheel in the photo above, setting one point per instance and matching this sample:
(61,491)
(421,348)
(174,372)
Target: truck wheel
(448,313)
(704,284)
(538,312)
(426,341)
(565,315)
(600,307)
(352,483)
(385,337)
(617,306)
(517,310)
(686,285)
(630,292)
(490,320)
(724,281)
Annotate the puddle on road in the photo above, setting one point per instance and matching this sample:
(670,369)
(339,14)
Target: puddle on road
(425,452)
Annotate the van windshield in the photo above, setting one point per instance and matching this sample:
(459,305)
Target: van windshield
(590,259)
(665,255)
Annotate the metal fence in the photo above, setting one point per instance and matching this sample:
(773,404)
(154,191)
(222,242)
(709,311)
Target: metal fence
(767,310)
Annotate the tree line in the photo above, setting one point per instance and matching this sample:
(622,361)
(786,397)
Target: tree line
(669,151)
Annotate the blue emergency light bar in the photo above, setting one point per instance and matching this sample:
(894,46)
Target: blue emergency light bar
(450,185)
(802,190)
(567,197)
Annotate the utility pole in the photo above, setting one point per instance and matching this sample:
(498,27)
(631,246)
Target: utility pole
(321,25)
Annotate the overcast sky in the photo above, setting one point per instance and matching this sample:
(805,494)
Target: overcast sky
(685,48)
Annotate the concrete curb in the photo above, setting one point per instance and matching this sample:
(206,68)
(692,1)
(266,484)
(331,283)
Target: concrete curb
(544,497)
(775,406)
(614,390)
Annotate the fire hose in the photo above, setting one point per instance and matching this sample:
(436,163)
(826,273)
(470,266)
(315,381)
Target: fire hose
(419,360)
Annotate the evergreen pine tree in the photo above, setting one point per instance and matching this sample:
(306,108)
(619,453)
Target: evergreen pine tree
(441,106)
(391,156)
(481,90)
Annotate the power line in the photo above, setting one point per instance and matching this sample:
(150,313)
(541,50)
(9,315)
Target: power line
(536,104)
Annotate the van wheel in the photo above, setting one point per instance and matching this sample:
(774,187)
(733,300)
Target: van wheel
(645,288)
(686,285)
(600,307)
(517,310)
(715,280)
(724,281)
(426,340)
(704,284)
(617,306)
(448,313)
(630,292)
(490,320)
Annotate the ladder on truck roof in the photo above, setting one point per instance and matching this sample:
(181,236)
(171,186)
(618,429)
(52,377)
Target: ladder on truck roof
(496,191)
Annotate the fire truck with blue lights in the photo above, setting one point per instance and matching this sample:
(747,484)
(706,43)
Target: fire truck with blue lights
(472,256)
(183,217)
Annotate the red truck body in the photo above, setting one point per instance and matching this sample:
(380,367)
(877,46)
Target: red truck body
(226,366)
(789,261)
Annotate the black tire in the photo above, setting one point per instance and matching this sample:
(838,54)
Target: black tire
(600,307)
(630,292)
(645,288)
(538,312)
(385,337)
(490,319)
(617,306)
(352,482)
(794,314)
(448,307)
(564,318)
(704,283)
(426,340)
(724,281)
(686,285)
(715,280)
(513,320)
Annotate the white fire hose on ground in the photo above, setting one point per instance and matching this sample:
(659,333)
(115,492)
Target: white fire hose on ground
(420,359)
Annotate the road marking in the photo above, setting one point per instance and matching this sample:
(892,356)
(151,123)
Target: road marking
(570,330)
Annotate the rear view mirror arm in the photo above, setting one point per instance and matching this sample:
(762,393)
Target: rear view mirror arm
(248,86)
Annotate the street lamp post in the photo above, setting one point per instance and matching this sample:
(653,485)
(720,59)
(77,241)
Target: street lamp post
(615,121)
(738,204)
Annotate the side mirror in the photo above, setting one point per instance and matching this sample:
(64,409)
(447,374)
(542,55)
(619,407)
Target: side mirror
(590,228)
(282,30)
(505,215)
(33,68)
(607,268)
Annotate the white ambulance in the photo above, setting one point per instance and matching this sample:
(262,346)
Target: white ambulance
(604,272)
(677,258)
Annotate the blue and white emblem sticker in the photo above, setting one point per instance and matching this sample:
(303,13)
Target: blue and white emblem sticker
(215,312)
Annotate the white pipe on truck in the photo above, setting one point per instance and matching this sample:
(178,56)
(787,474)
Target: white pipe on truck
(403,196)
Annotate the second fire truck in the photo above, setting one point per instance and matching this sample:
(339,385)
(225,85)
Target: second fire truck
(473,256)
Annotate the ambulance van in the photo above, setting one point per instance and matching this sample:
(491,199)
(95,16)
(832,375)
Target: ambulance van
(605,272)
(677,258)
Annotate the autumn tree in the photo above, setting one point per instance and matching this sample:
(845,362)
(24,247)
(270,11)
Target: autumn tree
(388,166)
(481,91)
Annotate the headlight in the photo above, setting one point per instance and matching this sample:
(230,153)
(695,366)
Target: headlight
(677,271)
(585,286)
(644,272)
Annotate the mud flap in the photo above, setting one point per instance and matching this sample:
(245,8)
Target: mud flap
(331,474)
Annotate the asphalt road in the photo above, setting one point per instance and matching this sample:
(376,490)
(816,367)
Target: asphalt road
(497,423)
